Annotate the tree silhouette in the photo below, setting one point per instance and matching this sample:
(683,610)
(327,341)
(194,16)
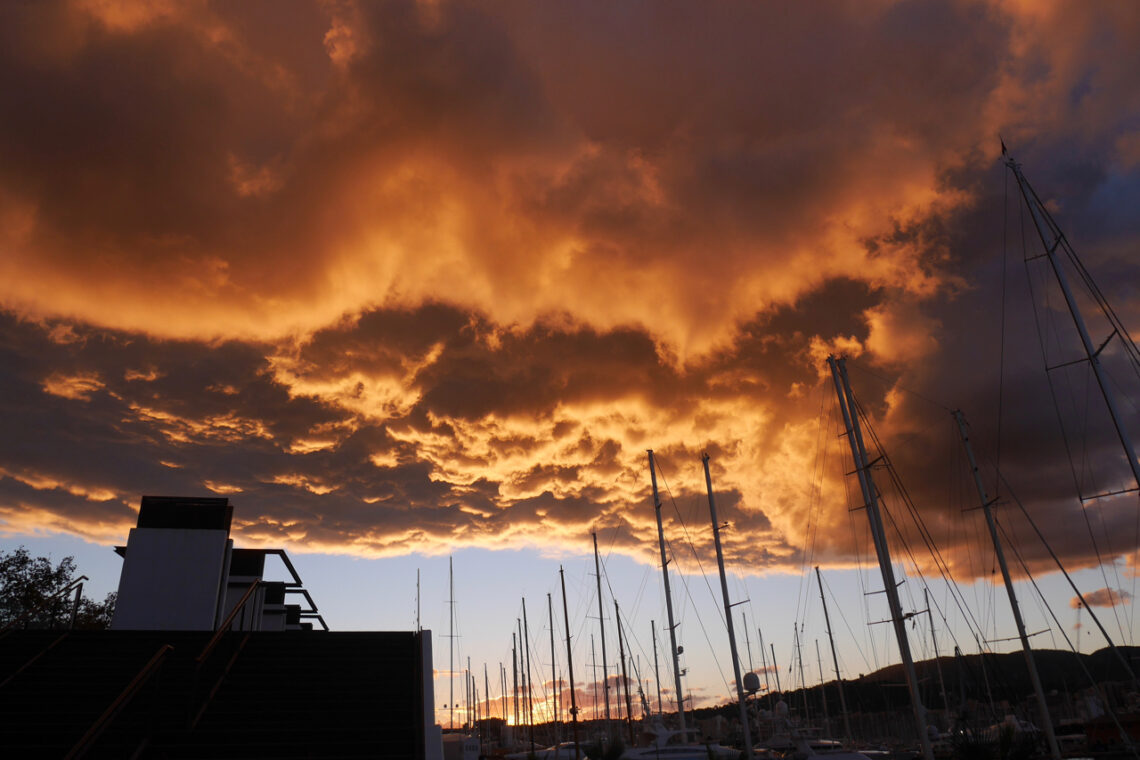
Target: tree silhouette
(27,585)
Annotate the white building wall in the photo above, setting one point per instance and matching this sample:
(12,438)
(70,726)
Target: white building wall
(433,735)
(172,579)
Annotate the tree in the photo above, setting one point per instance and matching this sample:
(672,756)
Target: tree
(27,585)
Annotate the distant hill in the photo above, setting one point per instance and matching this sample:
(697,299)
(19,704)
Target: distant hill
(1006,675)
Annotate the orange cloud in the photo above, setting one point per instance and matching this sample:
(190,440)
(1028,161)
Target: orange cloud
(406,277)
(1103,597)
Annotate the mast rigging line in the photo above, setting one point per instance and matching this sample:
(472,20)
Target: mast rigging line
(975,629)
(1080,660)
(688,541)
(684,579)
(1004,296)
(637,604)
(843,617)
(1064,572)
(1043,221)
(541,687)
(924,532)
(815,512)
(1053,392)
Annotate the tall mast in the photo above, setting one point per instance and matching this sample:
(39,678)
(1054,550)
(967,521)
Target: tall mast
(624,677)
(602,625)
(1048,228)
(822,689)
(570,666)
(668,599)
(594,666)
(1042,706)
(871,500)
(503,689)
(800,662)
(744,722)
(553,667)
(834,658)
(747,639)
(764,665)
(656,667)
(451,650)
(486,693)
(1053,238)
(934,642)
(527,678)
(515,676)
(776,668)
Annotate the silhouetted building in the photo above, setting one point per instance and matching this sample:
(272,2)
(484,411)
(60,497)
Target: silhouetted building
(206,659)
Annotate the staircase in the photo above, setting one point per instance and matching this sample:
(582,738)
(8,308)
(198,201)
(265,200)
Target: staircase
(286,695)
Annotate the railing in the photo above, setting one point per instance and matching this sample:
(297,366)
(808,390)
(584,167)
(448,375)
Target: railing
(311,613)
(197,711)
(78,582)
(100,725)
(33,660)
(225,626)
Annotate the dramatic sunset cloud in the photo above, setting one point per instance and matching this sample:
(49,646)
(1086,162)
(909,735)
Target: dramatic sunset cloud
(407,276)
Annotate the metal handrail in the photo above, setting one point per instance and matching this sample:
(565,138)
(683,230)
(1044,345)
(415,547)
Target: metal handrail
(43,603)
(121,701)
(200,660)
(217,684)
(227,622)
(34,659)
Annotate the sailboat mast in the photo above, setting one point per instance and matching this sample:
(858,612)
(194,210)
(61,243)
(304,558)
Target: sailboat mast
(834,657)
(764,665)
(934,642)
(656,667)
(594,670)
(602,625)
(624,677)
(822,689)
(744,722)
(668,598)
(570,666)
(527,678)
(515,676)
(800,662)
(776,668)
(747,639)
(553,667)
(451,649)
(1046,229)
(1034,677)
(871,500)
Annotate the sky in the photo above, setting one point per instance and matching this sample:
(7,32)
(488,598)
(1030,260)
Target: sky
(414,280)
